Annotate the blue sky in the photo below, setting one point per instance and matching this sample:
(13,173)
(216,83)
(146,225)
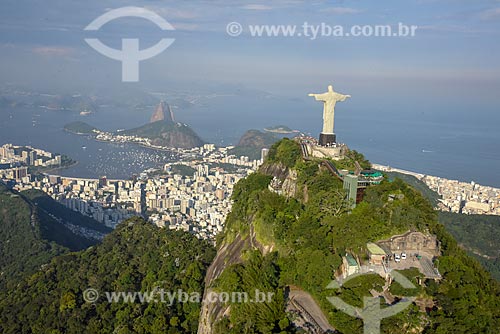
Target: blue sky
(453,62)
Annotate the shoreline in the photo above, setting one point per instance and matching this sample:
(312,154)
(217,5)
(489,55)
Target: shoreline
(385,168)
(50,170)
(281,132)
(375,165)
(93,136)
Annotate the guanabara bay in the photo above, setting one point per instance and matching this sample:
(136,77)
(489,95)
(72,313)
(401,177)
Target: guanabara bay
(249,167)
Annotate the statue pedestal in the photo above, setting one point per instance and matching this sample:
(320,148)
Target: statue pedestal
(326,139)
(336,152)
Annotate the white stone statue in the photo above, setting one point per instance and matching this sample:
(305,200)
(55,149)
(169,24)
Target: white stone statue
(329,99)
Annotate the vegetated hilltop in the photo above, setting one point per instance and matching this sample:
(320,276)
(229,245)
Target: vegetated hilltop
(298,238)
(136,257)
(79,128)
(252,142)
(479,235)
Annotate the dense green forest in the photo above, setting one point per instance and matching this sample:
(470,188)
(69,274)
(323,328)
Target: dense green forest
(419,185)
(312,230)
(137,256)
(183,170)
(479,235)
(31,232)
(22,248)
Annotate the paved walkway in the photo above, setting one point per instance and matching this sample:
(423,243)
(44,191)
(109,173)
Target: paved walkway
(309,310)
(424,265)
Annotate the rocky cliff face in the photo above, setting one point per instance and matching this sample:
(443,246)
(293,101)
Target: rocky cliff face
(231,253)
(227,255)
(287,177)
(289,187)
(162,113)
(179,136)
(277,170)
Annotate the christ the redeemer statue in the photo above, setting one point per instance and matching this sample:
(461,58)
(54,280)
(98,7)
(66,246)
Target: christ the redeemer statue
(329,99)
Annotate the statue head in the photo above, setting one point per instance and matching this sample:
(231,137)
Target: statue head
(330,88)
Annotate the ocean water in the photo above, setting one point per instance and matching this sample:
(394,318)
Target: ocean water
(440,143)
(43,129)
(463,149)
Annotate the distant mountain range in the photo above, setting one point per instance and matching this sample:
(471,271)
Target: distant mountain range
(257,139)
(75,101)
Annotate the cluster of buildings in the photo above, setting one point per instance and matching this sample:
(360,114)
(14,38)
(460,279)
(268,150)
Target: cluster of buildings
(117,138)
(220,156)
(197,203)
(14,160)
(456,196)
(463,197)
(26,155)
(412,249)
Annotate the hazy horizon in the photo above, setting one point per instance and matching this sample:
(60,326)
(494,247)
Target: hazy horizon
(451,58)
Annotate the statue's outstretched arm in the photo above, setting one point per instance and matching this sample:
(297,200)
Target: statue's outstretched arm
(317,97)
(343,97)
